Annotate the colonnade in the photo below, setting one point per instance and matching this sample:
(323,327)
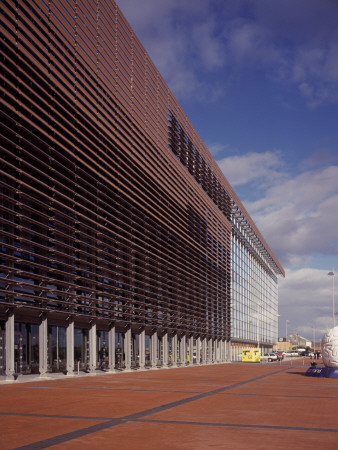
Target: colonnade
(165,350)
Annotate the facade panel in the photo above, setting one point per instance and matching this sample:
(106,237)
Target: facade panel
(116,222)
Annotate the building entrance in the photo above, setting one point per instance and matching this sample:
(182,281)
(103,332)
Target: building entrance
(26,348)
(57,348)
(81,349)
(102,349)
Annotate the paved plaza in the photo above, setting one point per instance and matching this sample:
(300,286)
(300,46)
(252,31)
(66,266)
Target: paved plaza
(225,406)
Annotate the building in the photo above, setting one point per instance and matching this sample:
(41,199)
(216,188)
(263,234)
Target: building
(282,345)
(123,245)
(298,341)
(293,342)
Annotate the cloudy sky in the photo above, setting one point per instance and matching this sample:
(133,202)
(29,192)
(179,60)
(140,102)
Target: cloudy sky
(258,80)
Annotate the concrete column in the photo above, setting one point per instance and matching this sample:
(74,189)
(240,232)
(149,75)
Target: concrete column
(204,351)
(127,349)
(142,349)
(183,351)
(191,351)
(134,348)
(174,349)
(43,345)
(153,349)
(222,351)
(198,350)
(215,346)
(49,347)
(165,358)
(2,350)
(92,348)
(219,351)
(209,357)
(10,367)
(229,351)
(70,348)
(111,348)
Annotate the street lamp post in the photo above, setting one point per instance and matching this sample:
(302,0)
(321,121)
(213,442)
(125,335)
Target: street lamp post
(286,332)
(331,274)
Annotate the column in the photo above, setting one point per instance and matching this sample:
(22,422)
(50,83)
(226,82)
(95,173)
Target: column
(165,358)
(191,351)
(127,350)
(222,350)
(111,348)
(134,348)
(225,351)
(215,347)
(2,349)
(229,351)
(50,348)
(209,357)
(70,347)
(92,348)
(183,351)
(10,368)
(43,345)
(142,350)
(174,349)
(198,350)
(219,351)
(204,350)
(153,349)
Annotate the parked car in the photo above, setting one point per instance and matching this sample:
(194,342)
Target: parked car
(291,354)
(269,356)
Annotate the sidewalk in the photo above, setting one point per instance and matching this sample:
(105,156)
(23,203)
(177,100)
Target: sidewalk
(226,406)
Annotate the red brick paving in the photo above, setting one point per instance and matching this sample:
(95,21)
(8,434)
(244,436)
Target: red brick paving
(280,409)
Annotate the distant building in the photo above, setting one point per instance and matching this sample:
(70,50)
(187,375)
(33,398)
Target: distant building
(119,231)
(299,341)
(282,345)
(292,342)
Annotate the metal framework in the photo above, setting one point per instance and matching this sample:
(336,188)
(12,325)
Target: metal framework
(112,209)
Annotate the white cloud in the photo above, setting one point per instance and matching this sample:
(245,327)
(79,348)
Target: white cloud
(299,218)
(262,168)
(305,299)
(216,148)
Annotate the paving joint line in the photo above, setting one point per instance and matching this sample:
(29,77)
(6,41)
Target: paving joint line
(135,416)
(102,389)
(55,416)
(238,425)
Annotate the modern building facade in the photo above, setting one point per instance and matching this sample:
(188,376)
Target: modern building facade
(123,245)
(254,289)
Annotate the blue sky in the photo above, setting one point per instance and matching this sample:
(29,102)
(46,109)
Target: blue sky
(259,82)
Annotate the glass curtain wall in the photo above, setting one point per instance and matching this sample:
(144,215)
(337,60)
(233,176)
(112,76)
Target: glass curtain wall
(255,299)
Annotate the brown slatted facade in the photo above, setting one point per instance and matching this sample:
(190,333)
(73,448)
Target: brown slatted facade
(112,208)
